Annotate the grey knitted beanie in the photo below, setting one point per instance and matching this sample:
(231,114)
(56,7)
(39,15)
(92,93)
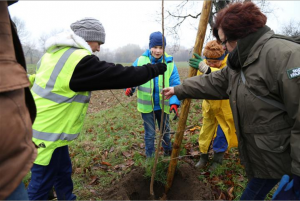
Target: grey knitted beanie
(90,29)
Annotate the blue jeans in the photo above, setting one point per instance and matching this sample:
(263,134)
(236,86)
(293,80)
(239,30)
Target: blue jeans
(149,126)
(19,193)
(220,143)
(57,174)
(257,189)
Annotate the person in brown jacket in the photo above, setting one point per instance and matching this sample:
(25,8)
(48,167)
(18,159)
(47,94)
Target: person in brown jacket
(17,112)
(262,83)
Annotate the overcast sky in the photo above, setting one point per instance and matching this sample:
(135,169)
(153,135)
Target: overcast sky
(125,21)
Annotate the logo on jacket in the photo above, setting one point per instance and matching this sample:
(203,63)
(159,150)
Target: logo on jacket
(292,73)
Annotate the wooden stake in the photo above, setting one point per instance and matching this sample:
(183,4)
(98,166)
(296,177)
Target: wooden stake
(162,125)
(207,4)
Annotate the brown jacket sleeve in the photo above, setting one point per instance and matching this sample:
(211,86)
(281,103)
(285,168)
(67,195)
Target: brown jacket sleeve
(212,86)
(17,110)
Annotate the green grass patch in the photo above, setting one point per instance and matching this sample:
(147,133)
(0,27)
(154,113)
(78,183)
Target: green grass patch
(182,64)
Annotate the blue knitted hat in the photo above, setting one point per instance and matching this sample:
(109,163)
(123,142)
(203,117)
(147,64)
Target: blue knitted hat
(156,39)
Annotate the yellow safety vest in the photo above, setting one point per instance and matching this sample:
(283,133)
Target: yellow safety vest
(60,111)
(145,102)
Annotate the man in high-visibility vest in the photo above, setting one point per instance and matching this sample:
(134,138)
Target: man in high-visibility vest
(149,98)
(64,78)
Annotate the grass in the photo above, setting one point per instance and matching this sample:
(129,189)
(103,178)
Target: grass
(182,64)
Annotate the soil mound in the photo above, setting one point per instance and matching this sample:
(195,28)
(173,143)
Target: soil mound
(134,186)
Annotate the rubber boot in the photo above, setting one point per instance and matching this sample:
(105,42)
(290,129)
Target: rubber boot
(202,162)
(217,160)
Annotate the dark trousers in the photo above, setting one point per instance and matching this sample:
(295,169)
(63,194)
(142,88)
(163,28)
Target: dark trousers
(257,189)
(57,174)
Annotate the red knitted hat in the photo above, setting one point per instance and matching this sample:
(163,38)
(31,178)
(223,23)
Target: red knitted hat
(213,50)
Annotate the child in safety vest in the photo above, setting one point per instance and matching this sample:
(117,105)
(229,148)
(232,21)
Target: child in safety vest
(149,98)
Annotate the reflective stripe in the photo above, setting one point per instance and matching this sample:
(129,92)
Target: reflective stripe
(38,65)
(47,92)
(60,64)
(144,89)
(166,102)
(144,102)
(53,136)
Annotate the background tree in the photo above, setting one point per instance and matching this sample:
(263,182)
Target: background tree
(21,29)
(45,36)
(106,54)
(292,28)
(31,52)
(189,11)
(128,53)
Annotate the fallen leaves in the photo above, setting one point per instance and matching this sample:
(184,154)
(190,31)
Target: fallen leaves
(229,191)
(94,179)
(126,154)
(142,145)
(105,163)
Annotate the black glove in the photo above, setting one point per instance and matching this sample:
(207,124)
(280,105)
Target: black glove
(160,68)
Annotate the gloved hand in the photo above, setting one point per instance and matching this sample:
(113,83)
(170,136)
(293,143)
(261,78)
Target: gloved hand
(194,62)
(129,92)
(288,190)
(198,63)
(203,67)
(174,108)
(160,68)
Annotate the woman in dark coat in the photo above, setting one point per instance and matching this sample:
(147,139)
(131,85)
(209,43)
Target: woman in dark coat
(262,82)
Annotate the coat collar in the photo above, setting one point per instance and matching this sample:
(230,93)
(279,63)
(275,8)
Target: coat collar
(66,39)
(249,53)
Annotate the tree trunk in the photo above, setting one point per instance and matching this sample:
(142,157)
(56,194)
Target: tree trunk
(206,9)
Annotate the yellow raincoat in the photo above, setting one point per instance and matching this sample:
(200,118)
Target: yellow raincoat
(216,112)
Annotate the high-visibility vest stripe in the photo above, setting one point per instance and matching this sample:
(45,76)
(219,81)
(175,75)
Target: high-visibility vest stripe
(53,136)
(47,92)
(38,64)
(167,102)
(60,64)
(144,89)
(145,102)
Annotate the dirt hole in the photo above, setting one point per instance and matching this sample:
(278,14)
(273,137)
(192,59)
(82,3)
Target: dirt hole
(134,186)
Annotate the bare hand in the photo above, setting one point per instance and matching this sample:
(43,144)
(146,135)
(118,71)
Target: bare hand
(168,92)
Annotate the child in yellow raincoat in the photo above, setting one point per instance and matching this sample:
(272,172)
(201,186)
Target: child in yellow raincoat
(217,115)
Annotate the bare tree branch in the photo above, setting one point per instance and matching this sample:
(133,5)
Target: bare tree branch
(189,15)
(21,29)
(292,28)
